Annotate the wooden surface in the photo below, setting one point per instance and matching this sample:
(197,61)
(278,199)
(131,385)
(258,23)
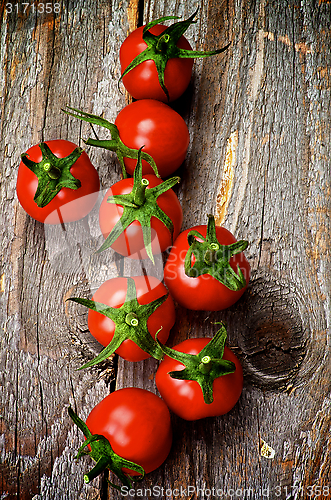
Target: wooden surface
(259,117)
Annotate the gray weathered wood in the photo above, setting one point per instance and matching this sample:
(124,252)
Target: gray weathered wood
(259,159)
(48,61)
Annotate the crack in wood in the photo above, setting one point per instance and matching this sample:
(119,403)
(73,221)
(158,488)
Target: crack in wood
(224,192)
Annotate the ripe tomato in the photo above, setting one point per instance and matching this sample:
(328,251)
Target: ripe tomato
(113,293)
(131,241)
(68,204)
(137,424)
(185,397)
(142,82)
(159,129)
(202,292)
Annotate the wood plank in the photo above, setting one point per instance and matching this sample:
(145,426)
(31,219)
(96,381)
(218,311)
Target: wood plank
(260,126)
(48,61)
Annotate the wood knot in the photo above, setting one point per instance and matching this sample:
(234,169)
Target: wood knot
(85,345)
(271,332)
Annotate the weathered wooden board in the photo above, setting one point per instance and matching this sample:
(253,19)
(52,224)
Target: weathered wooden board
(259,159)
(48,61)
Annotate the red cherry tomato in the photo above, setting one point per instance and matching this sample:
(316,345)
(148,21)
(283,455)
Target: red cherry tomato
(159,129)
(137,424)
(142,82)
(130,242)
(185,397)
(113,293)
(202,292)
(69,204)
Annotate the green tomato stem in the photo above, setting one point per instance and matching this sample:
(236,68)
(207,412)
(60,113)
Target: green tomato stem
(213,258)
(139,196)
(210,256)
(131,319)
(53,173)
(114,144)
(140,205)
(162,43)
(130,323)
(161,48)
(99,467)
(104,456)
(205,365)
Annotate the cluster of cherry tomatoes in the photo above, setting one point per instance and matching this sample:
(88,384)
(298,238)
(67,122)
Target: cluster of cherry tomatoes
(129,432)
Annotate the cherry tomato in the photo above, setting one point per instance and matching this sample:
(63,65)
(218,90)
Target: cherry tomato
(113,293)
(69,204)
(159,129)
(202,292)
(137,424)
(130,242)
(185,397)
(142,82)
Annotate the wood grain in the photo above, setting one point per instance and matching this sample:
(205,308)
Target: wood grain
(259,159)
(49,61)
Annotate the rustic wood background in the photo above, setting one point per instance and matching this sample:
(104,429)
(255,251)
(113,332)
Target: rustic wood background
(259,117)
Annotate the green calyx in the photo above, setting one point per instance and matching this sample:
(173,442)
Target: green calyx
(130,323)
(53,173)
(140,205)
(115,144)
(161,48)
(104,456)
(213,258)
(204,367)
